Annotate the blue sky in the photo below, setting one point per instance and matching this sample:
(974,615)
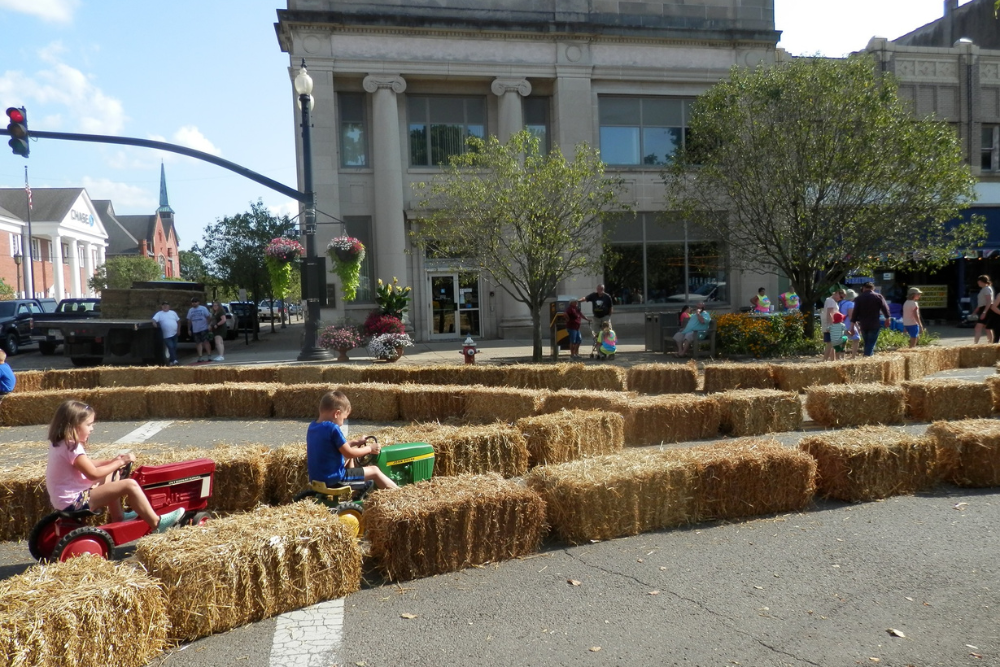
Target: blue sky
(209,75)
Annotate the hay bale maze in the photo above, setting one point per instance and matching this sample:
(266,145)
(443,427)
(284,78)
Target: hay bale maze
(251,566)
(447,524)
(723,377)
(84,612)
(836,406)
(759,411)
(459,450)
(654,420)
(570,435)
(663,378)
(930,400)
(23,497)
(969,451)
(976,356)
(488,404)
(799,377)
(872,462)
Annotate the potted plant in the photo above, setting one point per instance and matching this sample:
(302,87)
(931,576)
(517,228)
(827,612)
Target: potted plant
(391,298)
(389,346)
(346,254)
(341,338)
(378,323)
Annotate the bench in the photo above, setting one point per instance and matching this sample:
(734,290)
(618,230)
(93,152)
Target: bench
(670,345)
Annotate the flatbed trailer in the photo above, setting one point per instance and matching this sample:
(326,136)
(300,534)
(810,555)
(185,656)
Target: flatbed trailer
(90,342)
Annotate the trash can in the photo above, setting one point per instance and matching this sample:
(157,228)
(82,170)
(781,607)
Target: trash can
(558,335)
(654,339)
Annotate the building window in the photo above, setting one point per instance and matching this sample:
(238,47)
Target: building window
(991,148)
(353,130)
(646,263)
(15,245)
(65,253)
(536,120)
(642,130)
(360,227)
(36,250)
(440,126)
(81,254)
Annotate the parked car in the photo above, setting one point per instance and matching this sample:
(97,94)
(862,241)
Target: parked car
(16,321)
(45,331)
(48,305)
(246,319)
(267,311)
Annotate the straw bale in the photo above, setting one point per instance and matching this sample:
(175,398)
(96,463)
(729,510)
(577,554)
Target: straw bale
(248,567)
(23,498)
(347,374)
(759,411)
(124,376)
(571,434)
(488,404)
(865,370)
(993,382)
(918,362)
(532,376)
(447,524)
(836,406)
(947,398)
(172,375)
(118,403)
(243,400)
(607,401)
(427,402)
(894,368)
(254,374)
(372,401)
(872,462)
(86,611)
(799,377)
(176,401)
(975,356)
(74,378)
(306,374)
(599,377)
(241,473)
(611,496)
(968,451)
(287,473)
(459,450)
(469,374)
(29,381)
(390,373)
(33,408)
(299,401)
(723,377)
(212,374)
(653,420)
(944,358)
(663,378)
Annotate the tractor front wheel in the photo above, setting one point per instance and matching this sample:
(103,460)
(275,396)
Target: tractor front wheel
(352,516)
(85,540)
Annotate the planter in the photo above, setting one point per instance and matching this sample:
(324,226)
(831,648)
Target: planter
(396,356)
(343,255)
(342,354)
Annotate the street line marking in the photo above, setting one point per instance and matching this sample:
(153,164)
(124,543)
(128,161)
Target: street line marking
(143,433)
(308,637)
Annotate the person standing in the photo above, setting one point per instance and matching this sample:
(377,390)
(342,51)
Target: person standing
(912,323)
(830,306)
(760,302)
(219,324)
(167,321)
(574,317)
(847,310)
(867,308)
(197,320)
(983,302)
(602,304)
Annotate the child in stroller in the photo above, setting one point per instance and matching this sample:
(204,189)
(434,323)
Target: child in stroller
(605,343)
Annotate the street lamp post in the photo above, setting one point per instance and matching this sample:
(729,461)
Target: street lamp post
(17,263)
(311,351)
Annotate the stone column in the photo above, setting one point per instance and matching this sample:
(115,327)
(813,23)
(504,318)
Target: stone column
(387,165)
(74,268)
(102,256)
(510,117)
(88,268)
(58,276)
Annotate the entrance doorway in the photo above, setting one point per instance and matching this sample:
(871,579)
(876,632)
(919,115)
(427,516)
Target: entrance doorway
(454,305)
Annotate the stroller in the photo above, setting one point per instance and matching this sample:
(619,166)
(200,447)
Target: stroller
(596,352)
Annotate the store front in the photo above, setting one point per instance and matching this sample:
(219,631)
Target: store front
(454,310)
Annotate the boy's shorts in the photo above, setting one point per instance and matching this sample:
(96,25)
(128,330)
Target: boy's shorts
(826,336)
(201,336)
(913,330)
(574,337)
(354,474)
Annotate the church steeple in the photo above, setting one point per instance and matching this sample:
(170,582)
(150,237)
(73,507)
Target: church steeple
(164,204)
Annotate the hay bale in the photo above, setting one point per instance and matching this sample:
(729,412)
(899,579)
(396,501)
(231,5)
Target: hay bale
(119,404)
(287,473)
(458,450)
(29,381)
(347,374)
(968,451)
(306,374)
(929,400)
(663,378)
(489,404)
(427,402)
(588,400)
(759,411)
(653,420)
(598,378)
(835,406)
(86,611)
(371,401)
(243,401)
(942,358)
(470,374)
(570,435)
(872,462)
(723,377)
(258,374)
(33,408)
(865,370)
(894,367)
(173,375)
(918,362)
(23,497)
(248,567)
(125,376)
(75,378)
(451,523)
(533,376)
(993,383)
(299,401)
(976,356)
(799,377)
(171,401)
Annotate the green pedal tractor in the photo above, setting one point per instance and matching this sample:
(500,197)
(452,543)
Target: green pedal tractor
(403,463)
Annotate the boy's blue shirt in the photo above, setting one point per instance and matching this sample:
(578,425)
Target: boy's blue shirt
(7,379)
(323,457)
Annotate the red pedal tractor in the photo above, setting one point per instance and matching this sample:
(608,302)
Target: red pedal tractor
(188,484)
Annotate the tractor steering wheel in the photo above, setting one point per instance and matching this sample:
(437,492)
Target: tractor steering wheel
(124,472)
(367,459)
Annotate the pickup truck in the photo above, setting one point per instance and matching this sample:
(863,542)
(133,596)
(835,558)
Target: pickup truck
(16,321)
(46,331)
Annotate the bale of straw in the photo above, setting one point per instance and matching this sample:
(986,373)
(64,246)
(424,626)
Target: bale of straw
(943,358)
(894,368)
(172,375)
(372,401)
(599,378)
(258,374)
(125,376)
(865,370)
(759,411)
(918,362)
(299,401)
(23,498)
(171,401)
(835,406)
(287,473)
(459,450)
(29,381)
(489,404)
(993,382)
(247,567)
(929,400)
(588,400)
(570,435)
(450,523)
(35,407)
(532,376)
(86,611)
(663,378)
(75,378)
(799,377)
(118,403)
(305,374)
(968,451)
(427,402)
(347,374)
(872,462)
(241,473)
(723,377)
(975,356)
(243,400)
(653,420)
(469,374)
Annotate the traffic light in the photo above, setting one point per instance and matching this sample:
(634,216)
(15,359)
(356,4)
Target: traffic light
(18,128)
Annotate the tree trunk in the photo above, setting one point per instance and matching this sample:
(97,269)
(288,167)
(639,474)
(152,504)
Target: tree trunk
(809,324)
(536,338)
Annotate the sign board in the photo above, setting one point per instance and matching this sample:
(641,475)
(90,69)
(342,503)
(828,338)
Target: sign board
(934,296)
(888,276)
(243,294)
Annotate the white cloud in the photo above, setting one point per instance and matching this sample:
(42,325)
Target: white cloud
(59,11)
(191,137)
(126,198)
(289,208)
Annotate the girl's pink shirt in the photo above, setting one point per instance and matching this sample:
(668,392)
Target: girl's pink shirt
(63,481)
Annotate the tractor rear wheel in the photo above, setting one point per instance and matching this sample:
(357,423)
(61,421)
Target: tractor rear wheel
(85,540)
(352,515)
(43,538)
(197,519)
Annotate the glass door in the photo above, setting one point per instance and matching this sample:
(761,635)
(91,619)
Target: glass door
(443,305)
(454,305)
(468,305)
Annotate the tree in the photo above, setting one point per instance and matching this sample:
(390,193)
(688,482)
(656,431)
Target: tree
(192,266)
(530,220)
(6,291)
(120,272)
(815,169)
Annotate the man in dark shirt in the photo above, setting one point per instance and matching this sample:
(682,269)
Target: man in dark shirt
(602,306)
(867,308)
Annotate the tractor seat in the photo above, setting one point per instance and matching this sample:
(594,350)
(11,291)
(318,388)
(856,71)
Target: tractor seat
(342,492)
(77,514)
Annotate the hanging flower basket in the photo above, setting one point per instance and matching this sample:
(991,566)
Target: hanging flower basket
(284,250)
(346,254)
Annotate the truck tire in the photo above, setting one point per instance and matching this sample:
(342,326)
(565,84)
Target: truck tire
(11,344)
(47,348)
(83,362)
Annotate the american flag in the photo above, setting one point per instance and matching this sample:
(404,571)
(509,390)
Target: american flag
(27,188)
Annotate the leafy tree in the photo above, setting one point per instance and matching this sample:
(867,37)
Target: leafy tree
(815,168)
(120,272)
(6,291)
(530,220)
(192,266)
